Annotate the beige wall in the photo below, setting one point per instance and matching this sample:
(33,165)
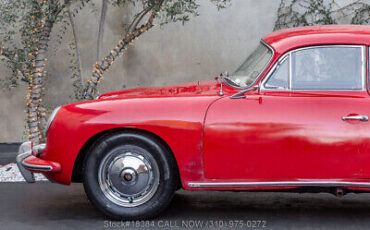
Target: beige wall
(207,45)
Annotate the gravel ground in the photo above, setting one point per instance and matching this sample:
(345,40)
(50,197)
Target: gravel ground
(10,173)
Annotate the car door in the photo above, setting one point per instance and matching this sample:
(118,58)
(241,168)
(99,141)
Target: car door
(309,121)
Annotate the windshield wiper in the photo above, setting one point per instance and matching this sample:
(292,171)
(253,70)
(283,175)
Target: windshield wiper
(231,81)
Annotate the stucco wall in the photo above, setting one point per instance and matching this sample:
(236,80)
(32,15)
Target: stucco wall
(207,45)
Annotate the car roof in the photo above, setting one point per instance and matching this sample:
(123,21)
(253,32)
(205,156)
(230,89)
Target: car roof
(288,39)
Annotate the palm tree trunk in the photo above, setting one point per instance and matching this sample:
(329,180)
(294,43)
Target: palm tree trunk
(35,111)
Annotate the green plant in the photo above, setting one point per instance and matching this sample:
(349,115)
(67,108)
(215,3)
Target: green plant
(293,13)
(25,29)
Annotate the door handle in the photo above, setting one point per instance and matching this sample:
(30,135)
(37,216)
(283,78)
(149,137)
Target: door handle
(358,117)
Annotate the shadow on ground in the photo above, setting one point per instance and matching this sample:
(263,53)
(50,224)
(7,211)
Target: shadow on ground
(52,206)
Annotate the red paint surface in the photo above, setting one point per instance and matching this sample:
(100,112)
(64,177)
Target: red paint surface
(177,120)
(267,136)
(288,39)
(288,136)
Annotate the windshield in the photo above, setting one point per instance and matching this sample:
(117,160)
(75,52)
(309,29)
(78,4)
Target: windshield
(248,72)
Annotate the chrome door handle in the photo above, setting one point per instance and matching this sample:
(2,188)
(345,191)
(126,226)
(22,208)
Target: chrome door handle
(359,117)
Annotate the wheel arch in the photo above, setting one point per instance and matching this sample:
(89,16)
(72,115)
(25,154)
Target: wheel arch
(78,164)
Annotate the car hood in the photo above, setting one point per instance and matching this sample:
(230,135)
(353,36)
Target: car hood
(204,88)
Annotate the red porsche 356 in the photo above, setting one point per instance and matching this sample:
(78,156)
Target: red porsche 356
(293,115)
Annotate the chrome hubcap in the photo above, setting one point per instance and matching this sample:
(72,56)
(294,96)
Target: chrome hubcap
(128,179)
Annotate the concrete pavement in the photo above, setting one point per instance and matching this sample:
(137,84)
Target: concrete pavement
(51,206)
(8,152)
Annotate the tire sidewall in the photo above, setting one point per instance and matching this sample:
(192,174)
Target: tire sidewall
(160,199)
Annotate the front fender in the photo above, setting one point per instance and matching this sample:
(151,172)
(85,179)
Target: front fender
(176,120)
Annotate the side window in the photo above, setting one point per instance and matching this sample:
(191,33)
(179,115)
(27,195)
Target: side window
(328,68)
(280,77)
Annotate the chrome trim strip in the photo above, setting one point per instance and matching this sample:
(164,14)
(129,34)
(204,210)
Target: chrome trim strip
(278,184)
(364,61)
(269,74)
(290,70)
(362,118)
(44,168)
(108,97)
(281,60)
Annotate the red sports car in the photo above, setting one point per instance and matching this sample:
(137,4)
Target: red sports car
(292,117)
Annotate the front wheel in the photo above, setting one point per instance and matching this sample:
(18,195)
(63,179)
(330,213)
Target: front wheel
(130,176)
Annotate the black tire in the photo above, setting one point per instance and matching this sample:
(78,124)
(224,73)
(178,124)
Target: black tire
(168,175)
